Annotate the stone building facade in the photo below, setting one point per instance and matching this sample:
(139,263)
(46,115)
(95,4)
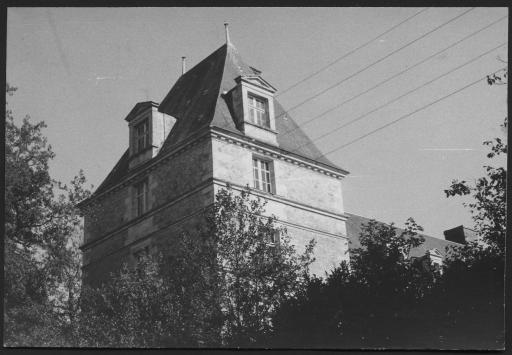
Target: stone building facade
(219,125)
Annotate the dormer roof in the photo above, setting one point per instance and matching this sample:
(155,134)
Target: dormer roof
(139,108)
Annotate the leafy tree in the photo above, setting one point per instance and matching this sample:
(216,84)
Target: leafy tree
(370,302)
(472,291)
(165,299)
(257,265)
(39,229)
(218,285)
(488,208)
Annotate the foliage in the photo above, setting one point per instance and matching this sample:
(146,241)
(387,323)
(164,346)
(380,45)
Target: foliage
(472,289)
(140,306)
(370,302)
(217,286)
(40,251)
(384,299)
(255,274)
(489,205)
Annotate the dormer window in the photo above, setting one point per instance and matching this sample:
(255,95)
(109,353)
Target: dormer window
(258,111)
(142,136)
(251,103)
(148,131)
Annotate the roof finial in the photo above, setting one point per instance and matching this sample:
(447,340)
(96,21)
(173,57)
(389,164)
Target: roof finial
(183,65)
(226,27)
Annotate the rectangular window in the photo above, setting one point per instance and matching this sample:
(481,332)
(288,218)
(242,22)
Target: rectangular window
(274,238)
(263,175)
(142,136)
(258,111)
(141,197)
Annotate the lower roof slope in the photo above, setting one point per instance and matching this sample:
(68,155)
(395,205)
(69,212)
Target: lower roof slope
(354,229)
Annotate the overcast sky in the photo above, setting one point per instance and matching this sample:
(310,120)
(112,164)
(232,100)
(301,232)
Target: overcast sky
(81,70)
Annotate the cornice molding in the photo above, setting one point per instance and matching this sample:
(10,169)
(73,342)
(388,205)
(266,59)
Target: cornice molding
(220,134)
(282,199)
(148,214)
(276,152)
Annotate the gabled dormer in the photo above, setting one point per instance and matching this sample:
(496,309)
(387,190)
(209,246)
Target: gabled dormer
(253,107)
(148,130)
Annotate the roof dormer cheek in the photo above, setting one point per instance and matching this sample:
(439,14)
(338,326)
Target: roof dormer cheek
(148,130)
(253,108)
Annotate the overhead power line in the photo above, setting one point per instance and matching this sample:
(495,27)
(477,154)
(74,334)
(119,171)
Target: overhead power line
(407,115)
(394,76)
(376,62)
(402,96)
(351,52)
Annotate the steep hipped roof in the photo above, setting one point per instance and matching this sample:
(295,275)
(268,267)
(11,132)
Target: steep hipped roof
(196,101)
(354,228)
(116,174)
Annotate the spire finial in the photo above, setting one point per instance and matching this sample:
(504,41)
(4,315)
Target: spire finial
(183,65)
(226,27)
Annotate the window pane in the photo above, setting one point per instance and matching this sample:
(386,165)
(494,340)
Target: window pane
(258,111)
(262,171)
(141,197)
(256,180)
(142,136)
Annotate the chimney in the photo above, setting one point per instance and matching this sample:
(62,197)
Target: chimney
(460,235)
(226,28)
(183,65)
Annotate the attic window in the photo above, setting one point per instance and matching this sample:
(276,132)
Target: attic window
(258,111)
(141,136)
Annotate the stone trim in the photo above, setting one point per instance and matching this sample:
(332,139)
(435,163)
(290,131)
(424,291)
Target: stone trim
(150,213)
(221,135)
(276,153)
(309,229)
(145,168)
(150,235)
(197,189)
(281,199)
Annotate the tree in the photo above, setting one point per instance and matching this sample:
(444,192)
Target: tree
(257,265)
(39,229)
(489,207)
(217,285)
(370,302)
(472,289)
(165,299)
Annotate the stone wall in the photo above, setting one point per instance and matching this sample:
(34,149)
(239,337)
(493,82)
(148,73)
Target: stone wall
(179,190)
(232,162)
(308,203)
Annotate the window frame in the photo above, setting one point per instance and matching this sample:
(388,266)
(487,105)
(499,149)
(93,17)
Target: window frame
(143,136)
(140,197)
(276,238)
(253,109)
(263,175)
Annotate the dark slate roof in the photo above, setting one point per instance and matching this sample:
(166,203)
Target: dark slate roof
(196,101)
(354,228)
(116,175)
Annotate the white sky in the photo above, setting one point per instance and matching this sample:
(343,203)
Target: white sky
(81,70)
